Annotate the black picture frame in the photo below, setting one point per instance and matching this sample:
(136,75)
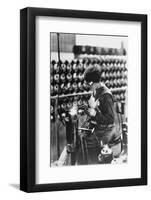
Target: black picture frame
(28,98)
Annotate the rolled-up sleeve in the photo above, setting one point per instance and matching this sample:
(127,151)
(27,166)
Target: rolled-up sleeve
(105,110)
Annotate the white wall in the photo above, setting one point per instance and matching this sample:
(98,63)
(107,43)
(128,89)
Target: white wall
(63,56)
(102,41)
(9,101)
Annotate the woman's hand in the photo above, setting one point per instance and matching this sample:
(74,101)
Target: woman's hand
(92,112)
(92,102)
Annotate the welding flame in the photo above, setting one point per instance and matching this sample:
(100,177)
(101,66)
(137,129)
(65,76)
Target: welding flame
(74,110)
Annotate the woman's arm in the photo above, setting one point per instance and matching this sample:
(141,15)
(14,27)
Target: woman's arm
(106,116)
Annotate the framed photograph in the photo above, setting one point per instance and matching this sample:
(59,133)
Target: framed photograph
(83,99)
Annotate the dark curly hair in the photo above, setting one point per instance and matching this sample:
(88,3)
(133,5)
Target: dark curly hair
(92,74)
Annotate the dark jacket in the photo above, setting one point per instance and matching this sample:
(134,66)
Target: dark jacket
(105,120)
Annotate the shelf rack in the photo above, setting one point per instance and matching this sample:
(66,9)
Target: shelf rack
(85,93)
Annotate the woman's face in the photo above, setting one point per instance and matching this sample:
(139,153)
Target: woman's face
(93,85)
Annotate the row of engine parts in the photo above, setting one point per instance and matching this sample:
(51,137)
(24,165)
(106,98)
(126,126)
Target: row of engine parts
(67,77)
(78,76)
(92,50)
(79,65)
(66,103)
(81,86)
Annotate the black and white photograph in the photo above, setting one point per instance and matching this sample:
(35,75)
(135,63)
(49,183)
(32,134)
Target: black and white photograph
(88,99)
(83,99)
(74,82)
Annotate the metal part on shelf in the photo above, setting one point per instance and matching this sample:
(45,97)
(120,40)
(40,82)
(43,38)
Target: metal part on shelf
(85,93)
